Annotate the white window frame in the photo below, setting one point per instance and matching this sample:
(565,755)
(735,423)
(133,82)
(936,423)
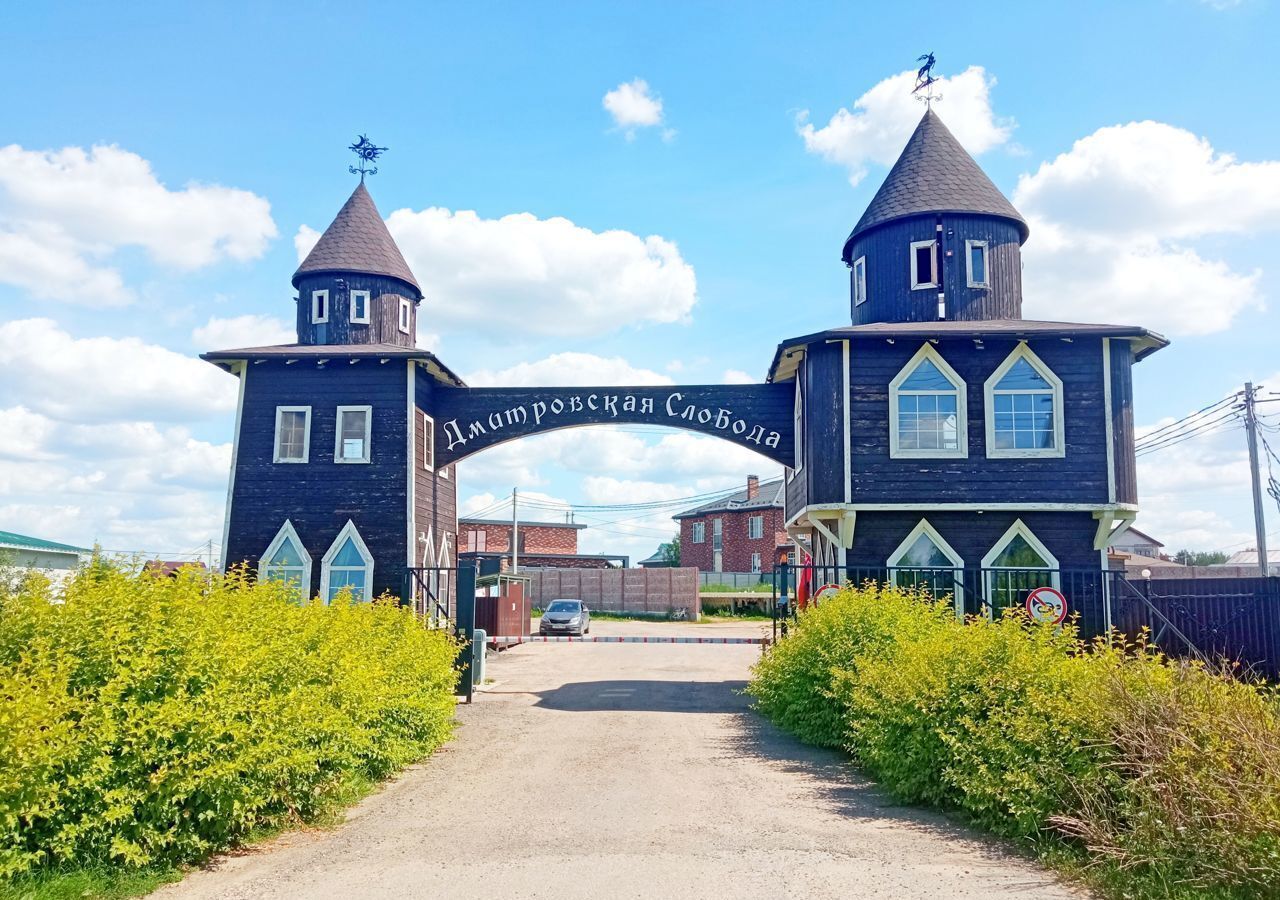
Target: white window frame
(348,531)
(986,263)
(368,435)
(1059,448)
(699,532)
(1017,528)
(860,281)
(916,283)
(288,533)
(755,563)
(717,531)
(798,422)
(928,352)
(306,435)
(925,527)
(752,529)
(429,443)
(319,317)
(444,473)
(406,315)
(368,300)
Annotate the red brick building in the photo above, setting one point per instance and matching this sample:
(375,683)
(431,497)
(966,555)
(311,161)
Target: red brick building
(738,533)
(540,544)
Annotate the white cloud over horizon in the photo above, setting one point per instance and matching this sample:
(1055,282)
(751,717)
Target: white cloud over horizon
(882,120)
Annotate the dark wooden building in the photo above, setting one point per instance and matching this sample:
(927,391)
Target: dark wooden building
(334,478)
(941,432)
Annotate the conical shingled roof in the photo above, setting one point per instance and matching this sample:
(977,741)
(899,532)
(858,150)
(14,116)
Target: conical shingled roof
(934,174)
(357,241)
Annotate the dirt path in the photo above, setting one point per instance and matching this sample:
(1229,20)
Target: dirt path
(593,771)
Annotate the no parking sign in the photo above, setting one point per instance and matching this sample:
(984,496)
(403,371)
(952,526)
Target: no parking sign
(1046,604)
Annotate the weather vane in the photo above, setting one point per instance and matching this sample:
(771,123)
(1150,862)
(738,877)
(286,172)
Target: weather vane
(925,80)
(367,153)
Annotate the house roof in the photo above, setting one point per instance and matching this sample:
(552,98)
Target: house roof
(10,540)
(934,174)
(1141,535)
(1144,342)
(659,555)
(1250,558)
(770,495)
(357,241)
(469,520)
(335,351)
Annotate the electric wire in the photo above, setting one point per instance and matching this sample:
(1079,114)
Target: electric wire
(1198,430)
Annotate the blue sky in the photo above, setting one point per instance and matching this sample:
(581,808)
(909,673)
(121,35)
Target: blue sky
(499,109)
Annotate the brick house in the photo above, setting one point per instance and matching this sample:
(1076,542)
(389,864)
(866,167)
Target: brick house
(553,544)
(738,533)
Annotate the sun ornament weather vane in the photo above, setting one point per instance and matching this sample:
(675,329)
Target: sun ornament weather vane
(367,153)
(925,80)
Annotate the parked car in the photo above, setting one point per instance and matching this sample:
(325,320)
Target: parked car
(565,617)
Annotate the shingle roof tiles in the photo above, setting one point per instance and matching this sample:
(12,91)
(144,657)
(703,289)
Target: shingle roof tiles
(357,241)
(934,174)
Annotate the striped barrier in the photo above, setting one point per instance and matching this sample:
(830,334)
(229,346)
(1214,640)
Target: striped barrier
(616,639)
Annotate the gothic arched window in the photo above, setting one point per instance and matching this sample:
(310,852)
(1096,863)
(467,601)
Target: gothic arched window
(1024,408)
(927,409)
(348,563)
(286,560)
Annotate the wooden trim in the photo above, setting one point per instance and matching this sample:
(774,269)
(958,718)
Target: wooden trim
(848,425)
(241,376)
(411,492)
(1107,411)
(429,429)
(404,316)
(927,351)
(288,532)
(1059,450)
(348,531)
(319,320)
(306,435)
(958,507)
(1018,528)
(916,284)
(968,263)
(368,435)
(860,280)
(368,300)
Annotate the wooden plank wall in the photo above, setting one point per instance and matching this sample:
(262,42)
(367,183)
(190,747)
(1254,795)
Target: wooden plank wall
(1122,421)
(384,311)
(657,591)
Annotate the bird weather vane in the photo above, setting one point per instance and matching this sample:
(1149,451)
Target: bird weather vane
(367,153)
(925,80)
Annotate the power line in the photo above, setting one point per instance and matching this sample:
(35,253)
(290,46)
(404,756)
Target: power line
(1212,407)
(1198,430)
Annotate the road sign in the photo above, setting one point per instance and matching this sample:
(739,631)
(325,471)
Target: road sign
(826,592)
(1046,604)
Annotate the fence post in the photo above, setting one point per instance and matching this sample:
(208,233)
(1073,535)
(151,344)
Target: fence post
(465,627)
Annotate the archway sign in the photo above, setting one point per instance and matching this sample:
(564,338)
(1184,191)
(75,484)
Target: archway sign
(756,416)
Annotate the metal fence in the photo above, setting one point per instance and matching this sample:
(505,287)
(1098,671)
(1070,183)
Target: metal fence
(1219,619)
(742,580)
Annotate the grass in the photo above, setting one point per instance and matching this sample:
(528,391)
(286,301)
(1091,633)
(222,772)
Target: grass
(757,588)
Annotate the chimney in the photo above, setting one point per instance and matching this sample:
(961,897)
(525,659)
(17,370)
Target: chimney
(753,487)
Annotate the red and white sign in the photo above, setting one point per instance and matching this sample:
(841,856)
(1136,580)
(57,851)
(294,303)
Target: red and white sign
(826,592)
(1046,604)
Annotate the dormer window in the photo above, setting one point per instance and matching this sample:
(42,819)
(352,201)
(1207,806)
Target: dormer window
(976,264)
(360,307)
(406,314)
(319,307)
(860,281)
(924,265)
(927,409)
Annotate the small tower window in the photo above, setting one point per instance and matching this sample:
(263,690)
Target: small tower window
(360,307)
(406,314)
(924,265)
(860,281)
(319,307)
(976,262)
(293,433)
(352,444)
(1024,408)
(927,402)
(347,564)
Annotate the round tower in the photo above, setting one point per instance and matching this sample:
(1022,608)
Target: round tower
(354,287)
(938,241)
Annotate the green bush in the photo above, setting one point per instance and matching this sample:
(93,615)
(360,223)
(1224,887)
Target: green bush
(148,720)
(1166,775)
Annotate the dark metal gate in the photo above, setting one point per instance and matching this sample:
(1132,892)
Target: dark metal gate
(446,598)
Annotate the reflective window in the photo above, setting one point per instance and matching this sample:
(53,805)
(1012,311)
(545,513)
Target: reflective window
(347,569)
(977,263)
(352,434)
(922,563)
(928,410)
(1023,406)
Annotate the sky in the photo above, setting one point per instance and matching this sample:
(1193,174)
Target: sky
(597,194)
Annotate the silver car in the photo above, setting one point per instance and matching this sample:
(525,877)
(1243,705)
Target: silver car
(565,617)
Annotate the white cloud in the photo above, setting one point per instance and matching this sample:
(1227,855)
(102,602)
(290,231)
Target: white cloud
(632,106)
(568,370)
(884,117)
(67,211)
(551,276)
(1114,218)
(103,378)
(243,331)
(737,376)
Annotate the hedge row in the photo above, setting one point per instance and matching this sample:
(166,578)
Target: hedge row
(146,720)
(1165,776)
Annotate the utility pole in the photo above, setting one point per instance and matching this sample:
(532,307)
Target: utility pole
(515,534)
(1259,519)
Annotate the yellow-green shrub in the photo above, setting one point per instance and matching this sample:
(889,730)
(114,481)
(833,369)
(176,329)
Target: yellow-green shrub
(152,720)
(1166,773)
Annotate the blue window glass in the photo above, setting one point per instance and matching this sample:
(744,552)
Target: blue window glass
(1023,407)
(928,410)
(348,568)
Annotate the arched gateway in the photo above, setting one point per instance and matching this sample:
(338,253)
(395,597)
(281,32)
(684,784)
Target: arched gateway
(940,437)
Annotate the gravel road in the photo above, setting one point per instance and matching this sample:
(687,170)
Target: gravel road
(625,770)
